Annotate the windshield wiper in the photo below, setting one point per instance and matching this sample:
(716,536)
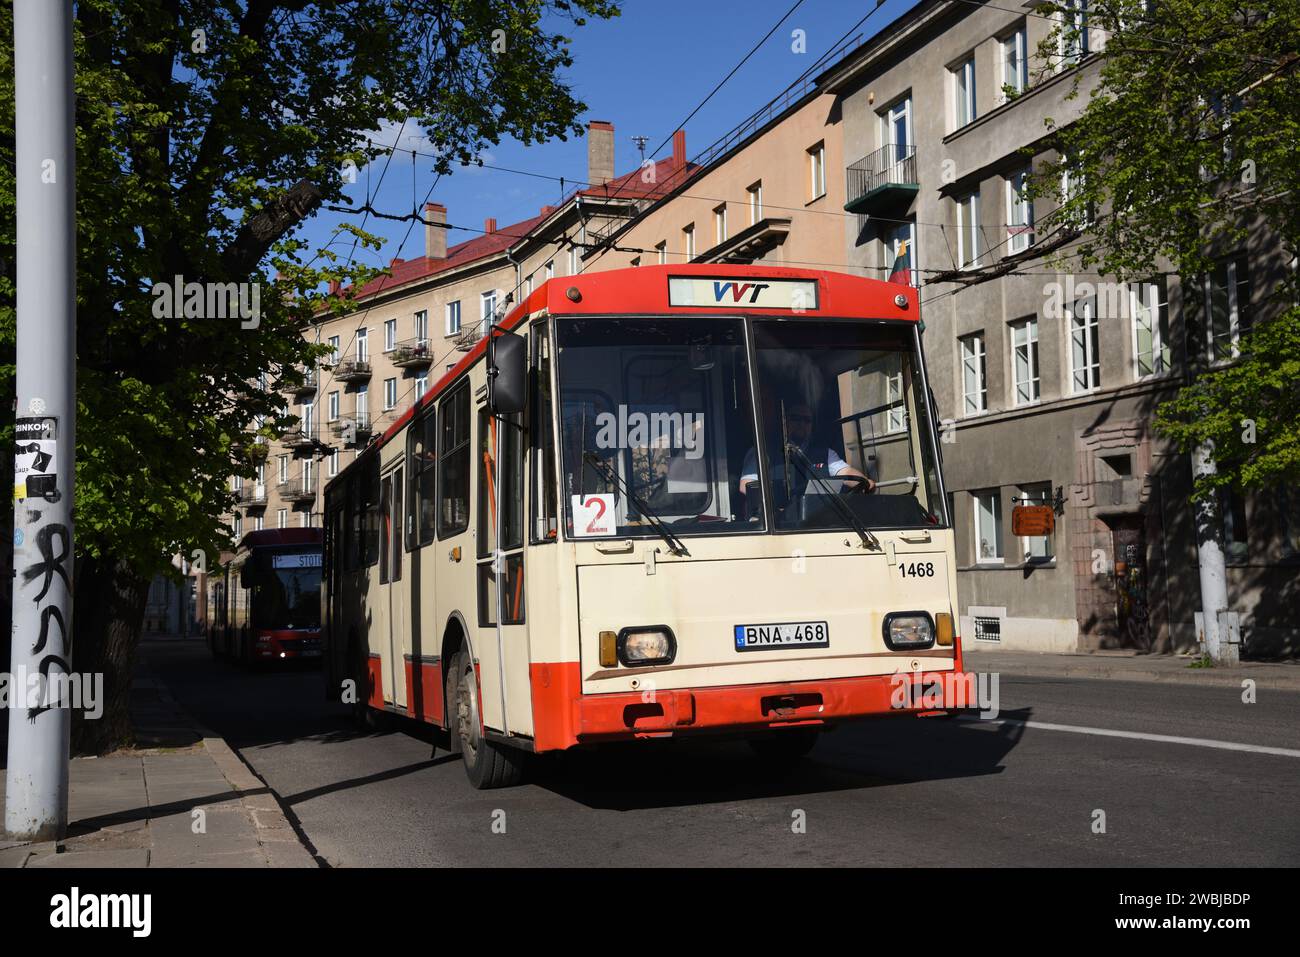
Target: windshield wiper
(611,475)
(846,513)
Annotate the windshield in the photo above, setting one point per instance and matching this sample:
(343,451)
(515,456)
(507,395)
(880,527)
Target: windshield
(656,420)
(288,595)
(844,417)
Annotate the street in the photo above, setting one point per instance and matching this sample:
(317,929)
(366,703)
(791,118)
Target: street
(906,792)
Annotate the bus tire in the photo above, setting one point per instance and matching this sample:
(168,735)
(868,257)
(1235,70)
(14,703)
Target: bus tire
(785,745)
(487,763)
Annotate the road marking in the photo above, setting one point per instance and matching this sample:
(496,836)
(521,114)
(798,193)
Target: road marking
(1143,736)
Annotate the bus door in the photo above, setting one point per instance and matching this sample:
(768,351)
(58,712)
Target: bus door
(393,631)
(500,572)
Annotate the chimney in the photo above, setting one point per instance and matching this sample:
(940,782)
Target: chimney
(679,151)
(600,152)
(489,225)
(334,287)
(435,237)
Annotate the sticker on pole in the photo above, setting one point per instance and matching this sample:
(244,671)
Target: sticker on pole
(34,458)
(593,515)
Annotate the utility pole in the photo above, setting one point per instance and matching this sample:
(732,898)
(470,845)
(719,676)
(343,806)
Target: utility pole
(1218,625)
(36,778)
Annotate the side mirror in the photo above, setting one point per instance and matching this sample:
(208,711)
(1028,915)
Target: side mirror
(507,371)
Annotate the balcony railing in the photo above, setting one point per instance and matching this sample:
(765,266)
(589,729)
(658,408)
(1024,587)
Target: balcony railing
(300,440)
(306,387)
(412,354)
(299,490)
(882,181)
(354,429)
(252,496)
(352,370)
(471,334)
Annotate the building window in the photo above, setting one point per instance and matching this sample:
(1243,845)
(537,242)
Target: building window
(688,241)
(1085,362)
(1036,548)
(334,349)
(363,405)
(453,317)
(238,526)
(550,270)
(333,464)
(257,523)
(1072,184)
(817,170)
(896,128)
(963,86)
(900,251)
(662,250)
(968,230)
(363,345)
(487,308)
(1020,212)
(305,521)
(896,420)
(282,518)
(1149,307)
(421,385)
(390,393)
(1227,307)
(720,223)
(1015,64)
(974,381)
(308,418)
(1073,37)
(332,406)
(390,335)
(1024,360)
(755,202)
(422,325)
(283,474)
(574,265)
(988,526)
(1232,508)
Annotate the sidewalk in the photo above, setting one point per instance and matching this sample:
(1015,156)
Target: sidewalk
(1124,666)
(143,807)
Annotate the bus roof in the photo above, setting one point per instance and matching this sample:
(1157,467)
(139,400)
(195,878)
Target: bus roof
(644,291)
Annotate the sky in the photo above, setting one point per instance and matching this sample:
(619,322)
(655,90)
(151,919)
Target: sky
(644,71)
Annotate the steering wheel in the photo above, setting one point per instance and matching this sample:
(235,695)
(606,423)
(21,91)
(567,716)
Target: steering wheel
(860,485)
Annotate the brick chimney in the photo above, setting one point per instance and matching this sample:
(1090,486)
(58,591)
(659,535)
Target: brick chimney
(435,237)
(679,151)
(600,152)
(490,225)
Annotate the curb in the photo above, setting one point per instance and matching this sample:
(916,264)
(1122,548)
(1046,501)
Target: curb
(1207,677)
(283,844)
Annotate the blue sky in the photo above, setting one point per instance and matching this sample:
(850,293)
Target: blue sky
(644,71)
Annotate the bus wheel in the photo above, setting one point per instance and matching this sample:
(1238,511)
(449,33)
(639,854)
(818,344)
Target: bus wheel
(785,745)
(488,764)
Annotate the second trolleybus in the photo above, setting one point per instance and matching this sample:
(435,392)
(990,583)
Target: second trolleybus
(654,502)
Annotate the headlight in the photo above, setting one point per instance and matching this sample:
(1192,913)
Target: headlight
(908,631)
(653,645)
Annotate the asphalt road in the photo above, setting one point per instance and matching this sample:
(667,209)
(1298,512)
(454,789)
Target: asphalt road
(894,792)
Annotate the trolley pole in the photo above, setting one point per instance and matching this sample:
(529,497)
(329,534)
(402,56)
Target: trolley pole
(36,777)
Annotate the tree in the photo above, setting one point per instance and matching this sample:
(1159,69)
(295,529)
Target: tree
(208,131)
(1184,152)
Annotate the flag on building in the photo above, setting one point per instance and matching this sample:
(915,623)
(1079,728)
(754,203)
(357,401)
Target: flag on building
(901,271)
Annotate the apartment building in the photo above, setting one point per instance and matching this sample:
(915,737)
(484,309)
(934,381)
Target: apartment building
(1048,380)
(412,324)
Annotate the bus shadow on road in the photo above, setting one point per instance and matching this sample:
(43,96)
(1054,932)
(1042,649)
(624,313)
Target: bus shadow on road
(889,752)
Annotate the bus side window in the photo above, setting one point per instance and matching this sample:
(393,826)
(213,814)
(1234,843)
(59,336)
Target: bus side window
(541,413)
(422,467)
(370,512)
(453,463)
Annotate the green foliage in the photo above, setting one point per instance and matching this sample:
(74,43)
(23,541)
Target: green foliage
(196,116)
(1184,153)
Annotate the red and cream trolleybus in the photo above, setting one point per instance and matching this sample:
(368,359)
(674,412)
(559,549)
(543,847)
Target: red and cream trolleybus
(659,501)
(264,605)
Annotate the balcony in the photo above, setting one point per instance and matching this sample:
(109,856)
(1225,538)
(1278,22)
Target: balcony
(883,182)
(306,386)
(299,490)
(412,354)
(352,370)
(469,335)
(301,440)
(354,430)
(252,496)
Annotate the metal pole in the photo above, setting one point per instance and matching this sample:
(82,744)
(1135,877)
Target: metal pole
(1209,554)
(36,781)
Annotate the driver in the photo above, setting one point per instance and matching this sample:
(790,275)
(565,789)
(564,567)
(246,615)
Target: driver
(799,431)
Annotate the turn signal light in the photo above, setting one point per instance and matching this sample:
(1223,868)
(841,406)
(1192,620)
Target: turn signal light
(943,629)
(608,649)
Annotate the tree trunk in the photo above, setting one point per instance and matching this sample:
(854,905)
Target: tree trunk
(109,605)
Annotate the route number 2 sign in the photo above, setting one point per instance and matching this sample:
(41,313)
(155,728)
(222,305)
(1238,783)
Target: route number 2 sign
(593,515)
